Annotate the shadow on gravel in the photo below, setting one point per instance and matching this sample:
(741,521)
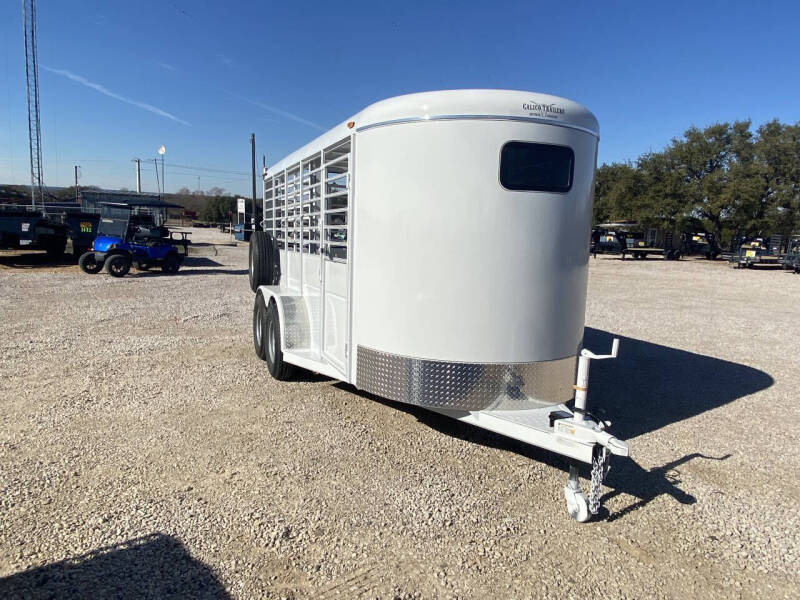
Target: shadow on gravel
(156,272)
(33,259)
(153,566)
(647,387)
(629,477)
(650,386)
(199,261)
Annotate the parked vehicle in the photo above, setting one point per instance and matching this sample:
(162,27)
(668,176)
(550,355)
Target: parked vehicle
(753,251)
(127,238)
(27,228)
(791,260)
(631,238)
(607,241)
(367,269)
(699,243)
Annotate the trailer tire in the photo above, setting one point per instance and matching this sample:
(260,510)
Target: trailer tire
(56,247)
(88,263)
(118,265)
(279,369)
(259,326)
(262,263)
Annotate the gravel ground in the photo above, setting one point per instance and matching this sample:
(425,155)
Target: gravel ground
(147,453)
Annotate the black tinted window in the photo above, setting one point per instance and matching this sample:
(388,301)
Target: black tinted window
(536,167)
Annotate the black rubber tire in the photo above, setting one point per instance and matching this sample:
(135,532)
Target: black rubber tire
(56,247)
(279,369)
(259,322)
(118,265)
(263,263)
(143,265)
(88,264)
(171,264)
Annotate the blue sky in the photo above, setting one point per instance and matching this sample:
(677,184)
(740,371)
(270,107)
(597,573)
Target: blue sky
(118,79)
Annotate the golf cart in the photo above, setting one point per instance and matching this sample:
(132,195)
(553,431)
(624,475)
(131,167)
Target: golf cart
(130,233)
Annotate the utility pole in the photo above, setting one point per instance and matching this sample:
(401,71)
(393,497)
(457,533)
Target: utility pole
(32,88)
(77,189)
(253,167)
(158,183)
(138,175)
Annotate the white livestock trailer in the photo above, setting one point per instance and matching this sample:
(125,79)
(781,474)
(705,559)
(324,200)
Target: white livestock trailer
(417,251)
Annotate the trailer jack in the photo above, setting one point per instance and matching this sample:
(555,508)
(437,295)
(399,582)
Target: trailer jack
(586,428)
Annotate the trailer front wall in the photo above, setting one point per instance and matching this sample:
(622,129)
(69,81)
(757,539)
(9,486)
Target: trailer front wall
(452,269)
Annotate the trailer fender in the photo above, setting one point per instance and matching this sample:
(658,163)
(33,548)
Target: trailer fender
(274,293)
(293,313)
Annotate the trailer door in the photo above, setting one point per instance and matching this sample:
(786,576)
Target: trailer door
(336,256)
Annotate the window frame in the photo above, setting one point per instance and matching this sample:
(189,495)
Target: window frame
(549,190)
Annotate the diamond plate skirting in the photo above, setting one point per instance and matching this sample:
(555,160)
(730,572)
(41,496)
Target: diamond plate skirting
(465,386)
(297,331)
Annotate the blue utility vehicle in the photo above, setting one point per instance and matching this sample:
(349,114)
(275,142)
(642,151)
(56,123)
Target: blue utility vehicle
(129,235)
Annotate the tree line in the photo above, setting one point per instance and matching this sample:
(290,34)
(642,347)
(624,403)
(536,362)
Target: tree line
(726,179)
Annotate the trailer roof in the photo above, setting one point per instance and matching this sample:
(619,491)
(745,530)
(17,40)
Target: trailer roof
(454,105)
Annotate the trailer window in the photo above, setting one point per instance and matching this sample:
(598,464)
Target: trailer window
(525,166)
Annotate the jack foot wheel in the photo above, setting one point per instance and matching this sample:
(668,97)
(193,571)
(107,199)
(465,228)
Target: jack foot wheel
(577,504)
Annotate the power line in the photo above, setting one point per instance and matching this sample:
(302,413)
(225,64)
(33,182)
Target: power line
(208,169)
(216,178)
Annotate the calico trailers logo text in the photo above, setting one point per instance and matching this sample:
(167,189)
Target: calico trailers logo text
(547,109)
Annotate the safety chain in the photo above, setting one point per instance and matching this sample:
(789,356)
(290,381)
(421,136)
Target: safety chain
(600,466)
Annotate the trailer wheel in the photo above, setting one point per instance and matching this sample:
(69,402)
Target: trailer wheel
(259,327)
(88,263)
(118,265)
(56,247)
(262,265)
(271,337)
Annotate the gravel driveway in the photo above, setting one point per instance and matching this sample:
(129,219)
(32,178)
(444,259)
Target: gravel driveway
(147,453)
